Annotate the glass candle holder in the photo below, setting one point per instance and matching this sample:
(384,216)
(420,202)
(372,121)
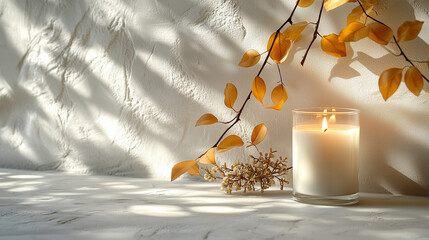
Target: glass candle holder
(326,155)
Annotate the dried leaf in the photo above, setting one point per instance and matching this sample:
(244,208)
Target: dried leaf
(409,30)
(258,134)
(305,3)
(206,119)
(389,82)
(229,143)
(294,30)
(278,96)
(332,46)
(357,14)
(258,89)
(249,58)
(194,170)
(281,47)
(332,4)
(180,168)
(414,80)
(428,64)
(230,95)
(380,33)
(355,31)
(209,157)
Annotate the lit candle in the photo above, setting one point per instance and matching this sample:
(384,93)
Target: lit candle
(326,155)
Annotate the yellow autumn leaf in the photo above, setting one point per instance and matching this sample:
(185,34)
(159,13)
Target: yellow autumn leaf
(258,134)
(208,157)
(332,4)
(249,58)
(294,30)
(258,89)
(194,170)
(230,95)
(229,143)
(380,33)
(305,3)
(414,80)
(357,14)
(409,30)
(206,119)
(389,82)
(355,31)
(182,167)
(281,47)
(332,46)
(278,96)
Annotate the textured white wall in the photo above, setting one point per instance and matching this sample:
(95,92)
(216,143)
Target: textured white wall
(115,87)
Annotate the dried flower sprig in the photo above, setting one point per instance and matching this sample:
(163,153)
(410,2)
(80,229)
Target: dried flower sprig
(263,171)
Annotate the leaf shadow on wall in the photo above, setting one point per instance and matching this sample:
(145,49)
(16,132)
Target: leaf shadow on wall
(61,107)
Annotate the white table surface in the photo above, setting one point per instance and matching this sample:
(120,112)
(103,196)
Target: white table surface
(41,205)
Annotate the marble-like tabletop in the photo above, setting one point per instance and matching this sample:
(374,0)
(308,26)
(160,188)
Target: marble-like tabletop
(42,205)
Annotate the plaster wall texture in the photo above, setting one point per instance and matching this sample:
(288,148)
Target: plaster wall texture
(115,87)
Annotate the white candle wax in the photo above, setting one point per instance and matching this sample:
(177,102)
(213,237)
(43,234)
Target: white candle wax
(325,163)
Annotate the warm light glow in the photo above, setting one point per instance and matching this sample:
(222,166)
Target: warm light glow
(332,117)
(324,125)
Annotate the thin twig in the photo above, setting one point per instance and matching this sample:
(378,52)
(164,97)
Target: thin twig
(280,74)
(314,34)
(237,118)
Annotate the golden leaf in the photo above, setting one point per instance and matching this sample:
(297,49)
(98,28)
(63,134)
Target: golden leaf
(258,134)
(357,15)
(294,30)
(332,4)
(305,3)
(389,82)
(229,143)
(414,80)
(194,170)
(230,95)
(206,119)
(249,58)
(355,31)
(180,168)
(278,96)
(258,89)
(208,157)
(380,33)
(409,30)
(281,47)
(332,46)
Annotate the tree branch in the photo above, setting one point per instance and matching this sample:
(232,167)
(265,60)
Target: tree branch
(237,117)
(394,38)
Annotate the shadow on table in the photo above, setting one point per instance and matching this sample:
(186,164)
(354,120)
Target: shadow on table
(270,193)
(392,201)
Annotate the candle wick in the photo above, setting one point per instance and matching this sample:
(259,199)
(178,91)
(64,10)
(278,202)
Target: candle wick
(325,130)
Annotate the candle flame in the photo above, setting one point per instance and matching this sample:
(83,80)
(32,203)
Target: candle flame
(324,125)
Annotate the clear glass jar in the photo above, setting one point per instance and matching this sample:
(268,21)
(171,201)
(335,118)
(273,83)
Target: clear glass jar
(326,155)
